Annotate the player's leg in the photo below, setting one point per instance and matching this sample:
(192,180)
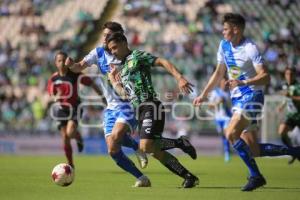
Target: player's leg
(113,141)
(169,161)
(182,143)
(151,126)
(291,120)
(66,143)
(72,132)
(167,143)
(221,125)
(126,115)
(236,126)
(267,149)
(283,130)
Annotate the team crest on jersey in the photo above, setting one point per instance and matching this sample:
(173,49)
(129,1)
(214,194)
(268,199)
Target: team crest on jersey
(235,72)
(130,64)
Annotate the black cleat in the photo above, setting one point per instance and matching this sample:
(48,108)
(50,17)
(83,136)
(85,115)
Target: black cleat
(292,160)
(188,148)
(253,183)
(190,181)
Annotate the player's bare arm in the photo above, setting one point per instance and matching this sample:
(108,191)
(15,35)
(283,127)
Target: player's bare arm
(75,67)
(113,77)
(212,83)
(262,78)
(183,84)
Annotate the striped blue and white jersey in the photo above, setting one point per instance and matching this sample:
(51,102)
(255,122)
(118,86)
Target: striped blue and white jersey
(223,111)
(100,57)
(240,62)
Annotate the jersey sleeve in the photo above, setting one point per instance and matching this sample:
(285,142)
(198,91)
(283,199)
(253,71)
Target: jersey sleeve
(50,87)
(91,58)
(220,55)
(254,55)
(148,59)
(85,80)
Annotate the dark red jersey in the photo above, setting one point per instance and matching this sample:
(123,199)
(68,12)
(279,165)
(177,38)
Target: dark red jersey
(66,87)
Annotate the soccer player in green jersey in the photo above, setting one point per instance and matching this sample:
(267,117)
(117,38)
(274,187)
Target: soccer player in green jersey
(292,118)
(135,77)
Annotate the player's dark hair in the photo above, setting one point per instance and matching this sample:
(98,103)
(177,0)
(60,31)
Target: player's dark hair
(116,37)
(292,69)
(114,27)
(234,19)
(60,53)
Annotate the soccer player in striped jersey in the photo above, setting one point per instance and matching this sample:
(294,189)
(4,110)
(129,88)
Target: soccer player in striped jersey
(240,58)
(138,88)
(63,86)
(220,99)
(119,118)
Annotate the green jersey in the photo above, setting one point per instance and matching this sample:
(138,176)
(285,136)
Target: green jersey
(294,90)
(136,77)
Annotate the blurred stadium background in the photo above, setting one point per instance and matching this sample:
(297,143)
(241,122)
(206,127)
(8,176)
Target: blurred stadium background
(185,31)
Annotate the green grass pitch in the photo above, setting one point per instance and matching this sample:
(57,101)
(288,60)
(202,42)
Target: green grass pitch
(97,177)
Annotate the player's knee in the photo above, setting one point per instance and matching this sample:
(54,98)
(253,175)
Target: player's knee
(112,145)
(112,149)
(230,135)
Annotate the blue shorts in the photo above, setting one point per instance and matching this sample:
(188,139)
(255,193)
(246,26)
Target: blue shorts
(123,114)
(250,105)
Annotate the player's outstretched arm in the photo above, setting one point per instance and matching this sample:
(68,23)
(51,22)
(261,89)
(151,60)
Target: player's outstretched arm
(75,67)
(117,85)
(183,84)
(212,83)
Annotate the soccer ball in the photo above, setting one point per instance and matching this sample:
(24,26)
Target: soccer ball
(63,174)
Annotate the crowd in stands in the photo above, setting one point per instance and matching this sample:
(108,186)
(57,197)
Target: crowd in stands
(26,67)
(185,31)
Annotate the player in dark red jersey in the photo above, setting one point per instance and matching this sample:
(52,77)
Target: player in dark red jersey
(63,86)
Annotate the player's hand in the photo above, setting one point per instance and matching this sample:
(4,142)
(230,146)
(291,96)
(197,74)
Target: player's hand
(233,83)
(199,100)
(114,73)
(69,62)
(185,86)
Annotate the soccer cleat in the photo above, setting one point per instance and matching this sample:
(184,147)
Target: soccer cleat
(253,183)
(190,181)
(292,160)
(188,148)
(142,158)
(143,181)
(226,157)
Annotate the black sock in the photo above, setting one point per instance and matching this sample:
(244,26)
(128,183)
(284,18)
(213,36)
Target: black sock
(167,143)
(174,165)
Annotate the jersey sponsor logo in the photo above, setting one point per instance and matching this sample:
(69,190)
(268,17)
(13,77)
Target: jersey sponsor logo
(147,122)
(235,72)
(130,64)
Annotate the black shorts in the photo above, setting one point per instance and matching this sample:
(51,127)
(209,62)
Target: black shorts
(63,114)
(151,119)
